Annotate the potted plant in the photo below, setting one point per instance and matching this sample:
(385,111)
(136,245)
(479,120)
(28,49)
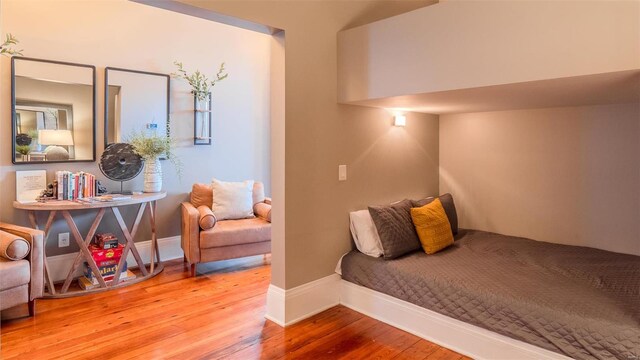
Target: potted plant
(23,150)
(151,146)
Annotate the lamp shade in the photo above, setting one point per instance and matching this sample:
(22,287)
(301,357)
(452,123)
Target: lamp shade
(55,137)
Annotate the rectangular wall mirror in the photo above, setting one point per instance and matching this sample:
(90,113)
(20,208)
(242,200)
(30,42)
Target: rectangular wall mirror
(135,101)
(54,111)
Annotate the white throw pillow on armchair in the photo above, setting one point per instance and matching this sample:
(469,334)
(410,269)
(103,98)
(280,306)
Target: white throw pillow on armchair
(232,200)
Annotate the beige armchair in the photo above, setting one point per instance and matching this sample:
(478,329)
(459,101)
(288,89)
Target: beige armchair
(21,278)
(205,239)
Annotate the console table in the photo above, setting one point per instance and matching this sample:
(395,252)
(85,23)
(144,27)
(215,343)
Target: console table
(65,207)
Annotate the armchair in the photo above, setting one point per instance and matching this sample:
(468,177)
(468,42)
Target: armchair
(21,277)
(205,239)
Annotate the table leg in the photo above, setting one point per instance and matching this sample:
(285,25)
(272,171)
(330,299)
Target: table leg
(78,259)
(34,224)
(84,249)
(130,245)
(154,239)
(127,247)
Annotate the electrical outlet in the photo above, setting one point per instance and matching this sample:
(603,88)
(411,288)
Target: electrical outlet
(63,239)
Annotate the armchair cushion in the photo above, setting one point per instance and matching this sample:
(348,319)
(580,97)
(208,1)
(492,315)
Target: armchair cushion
(14,273)
(263,210)
(206,219)
(232,200)
(236,232)
(13,247)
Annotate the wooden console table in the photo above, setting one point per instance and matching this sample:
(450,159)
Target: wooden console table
(65,207)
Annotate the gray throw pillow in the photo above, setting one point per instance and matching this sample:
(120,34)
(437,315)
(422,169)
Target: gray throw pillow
(449,209)
(395,228)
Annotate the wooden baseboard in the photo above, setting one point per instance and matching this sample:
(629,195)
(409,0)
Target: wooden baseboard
(169,249)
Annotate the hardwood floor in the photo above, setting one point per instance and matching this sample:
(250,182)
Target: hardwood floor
(218,315)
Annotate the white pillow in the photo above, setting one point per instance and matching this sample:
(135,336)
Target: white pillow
(364,233)
(232,200)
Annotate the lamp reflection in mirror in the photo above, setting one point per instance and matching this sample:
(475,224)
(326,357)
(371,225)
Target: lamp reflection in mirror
(56,139)
(400,120)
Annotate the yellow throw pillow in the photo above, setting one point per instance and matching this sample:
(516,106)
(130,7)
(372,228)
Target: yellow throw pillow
(432,226)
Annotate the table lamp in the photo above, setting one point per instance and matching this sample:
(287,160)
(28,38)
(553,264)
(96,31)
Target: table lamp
(56,139)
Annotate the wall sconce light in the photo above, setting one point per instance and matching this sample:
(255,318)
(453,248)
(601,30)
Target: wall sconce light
(400,120)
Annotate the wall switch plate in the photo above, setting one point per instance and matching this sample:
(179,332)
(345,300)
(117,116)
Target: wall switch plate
(342,172)
(63,239)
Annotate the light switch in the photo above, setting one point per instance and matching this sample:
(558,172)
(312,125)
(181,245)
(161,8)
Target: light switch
(342,172)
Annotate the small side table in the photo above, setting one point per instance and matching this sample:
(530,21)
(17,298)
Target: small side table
(65,207)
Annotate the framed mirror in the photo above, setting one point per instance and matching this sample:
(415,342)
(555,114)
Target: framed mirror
(134,101)
(54,111)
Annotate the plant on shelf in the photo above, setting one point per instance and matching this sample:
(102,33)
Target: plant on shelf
(6,49)
(200,84)
(151,146)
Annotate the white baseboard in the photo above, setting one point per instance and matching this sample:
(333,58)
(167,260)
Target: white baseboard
(275,305)
(170,248)
(453,334)
(287,307)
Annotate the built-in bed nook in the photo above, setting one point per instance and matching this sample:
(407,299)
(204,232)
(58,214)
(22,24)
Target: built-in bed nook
(538,137)
(576,301)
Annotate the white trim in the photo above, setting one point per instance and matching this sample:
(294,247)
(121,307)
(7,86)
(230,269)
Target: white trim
(311,298)
(287,307)
(453,334)
(170,249)
(275,305)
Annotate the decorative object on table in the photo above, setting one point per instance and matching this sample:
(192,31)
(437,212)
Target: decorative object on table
(75,186)
(56,139)
(151,146)
(6,49)
(100,189)
(29,185)
(51,192)
(201,89)
(120,162)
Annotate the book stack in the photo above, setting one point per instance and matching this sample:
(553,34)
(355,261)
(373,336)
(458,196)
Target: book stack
(107,260)
(73,186)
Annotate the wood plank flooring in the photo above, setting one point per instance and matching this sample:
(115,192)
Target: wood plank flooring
(218,315)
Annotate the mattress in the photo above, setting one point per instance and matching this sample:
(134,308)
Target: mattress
(577,301)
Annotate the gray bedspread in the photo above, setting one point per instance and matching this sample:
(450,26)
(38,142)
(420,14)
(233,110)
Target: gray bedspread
(577,301)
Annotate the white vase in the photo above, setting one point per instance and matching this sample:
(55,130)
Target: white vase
(152,176)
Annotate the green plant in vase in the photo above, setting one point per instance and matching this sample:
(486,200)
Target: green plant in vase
(151,146)
(23,150)
(201,87)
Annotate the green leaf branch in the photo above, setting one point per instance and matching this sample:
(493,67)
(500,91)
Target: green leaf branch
(6,49)
(201,85)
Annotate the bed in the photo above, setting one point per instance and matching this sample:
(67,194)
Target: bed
(576,301)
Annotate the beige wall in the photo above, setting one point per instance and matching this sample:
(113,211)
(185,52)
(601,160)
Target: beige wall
(563,175)
(384,163)
(150,39)
(459,44)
